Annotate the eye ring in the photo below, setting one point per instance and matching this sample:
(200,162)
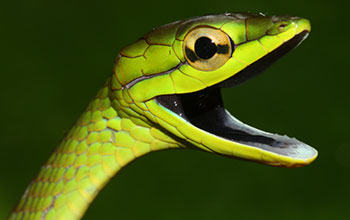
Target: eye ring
(206,48)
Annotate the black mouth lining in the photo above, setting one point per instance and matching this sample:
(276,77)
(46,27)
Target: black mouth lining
(204,109)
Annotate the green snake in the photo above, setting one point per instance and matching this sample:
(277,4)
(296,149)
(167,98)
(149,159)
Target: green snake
(164,93)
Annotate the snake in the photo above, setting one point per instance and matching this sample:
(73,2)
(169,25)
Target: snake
(165,93)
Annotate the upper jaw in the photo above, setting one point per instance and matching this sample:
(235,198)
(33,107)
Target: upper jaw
(263,63)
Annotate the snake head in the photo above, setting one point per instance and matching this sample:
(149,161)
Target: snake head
(172,78)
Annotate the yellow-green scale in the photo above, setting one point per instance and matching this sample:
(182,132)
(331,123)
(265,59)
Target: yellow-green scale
(109,134)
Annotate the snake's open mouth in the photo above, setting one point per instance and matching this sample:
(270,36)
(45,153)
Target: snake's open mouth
(205,110)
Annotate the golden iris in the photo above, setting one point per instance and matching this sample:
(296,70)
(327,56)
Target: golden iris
(207,48)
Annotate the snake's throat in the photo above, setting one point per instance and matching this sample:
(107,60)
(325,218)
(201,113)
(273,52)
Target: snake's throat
(205,110)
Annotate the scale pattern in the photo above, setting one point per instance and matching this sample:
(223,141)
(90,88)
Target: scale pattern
(96,148)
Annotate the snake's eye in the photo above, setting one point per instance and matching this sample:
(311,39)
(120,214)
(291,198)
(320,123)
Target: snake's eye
(207,48)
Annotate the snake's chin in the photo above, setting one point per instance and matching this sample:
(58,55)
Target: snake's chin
(205,110)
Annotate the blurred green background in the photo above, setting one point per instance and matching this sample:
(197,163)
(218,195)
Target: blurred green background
(56,54)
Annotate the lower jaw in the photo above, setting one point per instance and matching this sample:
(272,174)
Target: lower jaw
(205,110)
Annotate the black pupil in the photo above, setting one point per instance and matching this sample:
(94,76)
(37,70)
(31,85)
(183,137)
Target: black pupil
(205,48)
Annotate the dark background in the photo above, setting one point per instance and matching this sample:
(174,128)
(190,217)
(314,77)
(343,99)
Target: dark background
(55,55)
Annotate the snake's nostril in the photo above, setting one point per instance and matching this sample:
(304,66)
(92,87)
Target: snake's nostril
(282,26)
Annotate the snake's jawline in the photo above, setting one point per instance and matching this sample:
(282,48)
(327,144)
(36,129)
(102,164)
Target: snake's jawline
(204,109)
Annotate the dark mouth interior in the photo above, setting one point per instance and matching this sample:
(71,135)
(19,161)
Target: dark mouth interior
(205,110)
(215,119)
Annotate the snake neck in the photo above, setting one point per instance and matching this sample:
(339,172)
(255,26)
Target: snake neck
(112,132)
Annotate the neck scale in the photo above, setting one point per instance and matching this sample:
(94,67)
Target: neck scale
(109,135)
